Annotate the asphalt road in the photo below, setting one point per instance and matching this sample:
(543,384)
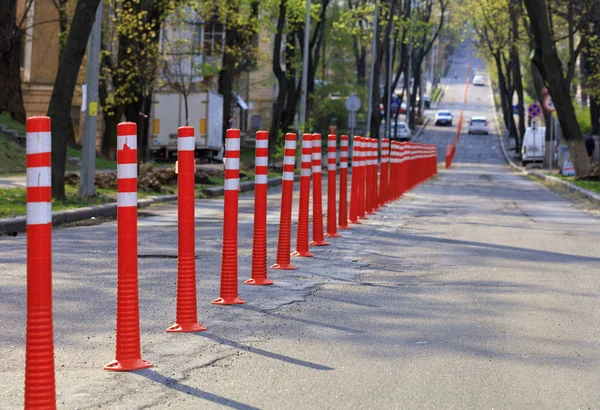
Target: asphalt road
(479,289)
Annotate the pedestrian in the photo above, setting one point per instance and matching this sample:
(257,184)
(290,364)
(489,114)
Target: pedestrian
(590,145)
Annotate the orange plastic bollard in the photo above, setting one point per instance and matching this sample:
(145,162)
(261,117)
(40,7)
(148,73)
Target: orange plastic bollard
(186,313)
(343,215)
(354,197)
(361,178)
(128,349)
(287,191)
(384,171)
(39,344)
(331,187)
(258,276)
(374,174)
(317,232)
(229,261)
(368,162)
(304,201)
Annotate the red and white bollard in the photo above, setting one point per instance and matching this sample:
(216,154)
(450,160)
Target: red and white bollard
(186,313)
(304,201)
(331,186)
(317,233)
(362,178)
(374,172)
(287,192)
(128,349)
(343,215)
(229,261)
(355,186)
(385,145)
(40,389)
(258,276)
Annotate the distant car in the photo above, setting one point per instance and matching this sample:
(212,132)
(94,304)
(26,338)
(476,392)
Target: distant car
(400,132)
(478,125)
(533,148)
(479,80)
(443,117)
(426,102)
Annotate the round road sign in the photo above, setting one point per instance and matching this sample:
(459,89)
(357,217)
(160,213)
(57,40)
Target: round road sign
(544,90)
(534,110)
(353,103)
(548,104)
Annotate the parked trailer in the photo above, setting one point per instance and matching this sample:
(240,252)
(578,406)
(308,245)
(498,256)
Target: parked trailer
(205,115)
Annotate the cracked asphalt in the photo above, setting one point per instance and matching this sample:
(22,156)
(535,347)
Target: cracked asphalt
(478,289)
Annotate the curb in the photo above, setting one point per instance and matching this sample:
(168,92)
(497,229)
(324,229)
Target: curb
(590,196)
(420,130)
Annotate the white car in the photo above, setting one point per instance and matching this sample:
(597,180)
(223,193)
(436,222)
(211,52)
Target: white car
(479,80)
(443,117)
(400,132)
(478,125)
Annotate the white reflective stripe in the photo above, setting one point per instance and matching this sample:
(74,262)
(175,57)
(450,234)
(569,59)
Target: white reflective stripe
(262,143)
(289,160)
(331,167)
(232,144)
(232,163)
(290,145)
(288,176)
(38,142)
(344,143)
(126,171)
(186,143)
(130,140)
(316,169)
(39,213)
(232,184)
(316,155)
(344,154)
(39,176)
(305,172)
(260,179)
(316,142)
(127,199)
(331,155)
(307,144)
(332,143)
(261,161)
(344,165)
(306,158)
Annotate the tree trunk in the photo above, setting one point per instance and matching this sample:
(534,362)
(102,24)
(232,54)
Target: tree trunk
(226,87)
(506,112)
(11,96)
(516,7)
(59,109)
(281,81)
(546,58)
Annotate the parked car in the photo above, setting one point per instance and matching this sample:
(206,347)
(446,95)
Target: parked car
(478,125)
(479,80)
(426,102)
(400,132)
(443,117)
(534,145)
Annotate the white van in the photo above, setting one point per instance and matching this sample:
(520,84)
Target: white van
(534,145)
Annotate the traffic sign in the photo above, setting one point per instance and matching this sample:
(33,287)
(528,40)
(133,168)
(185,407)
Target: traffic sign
(544,90)
(353,103)
(548,104)
(395,104)
(534,110)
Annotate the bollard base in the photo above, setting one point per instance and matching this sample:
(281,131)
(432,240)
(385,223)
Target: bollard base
(357,222)
(344,227)
(194,327)
(228,301)
(127,365)
(303,254)
(319,243)
(258,281)
(283,266)
(333,235)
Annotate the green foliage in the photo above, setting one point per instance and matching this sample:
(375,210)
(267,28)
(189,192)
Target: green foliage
(12,156)
(583,119)
(101,163)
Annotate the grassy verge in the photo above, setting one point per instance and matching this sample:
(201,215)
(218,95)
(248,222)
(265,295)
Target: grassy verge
(9,123)
(593,186)
(12,156)
(101,163)
(436,94)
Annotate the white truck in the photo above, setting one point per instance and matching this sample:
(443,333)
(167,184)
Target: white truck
(205,115)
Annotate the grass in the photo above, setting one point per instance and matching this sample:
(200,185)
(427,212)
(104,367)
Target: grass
(436,94)
(12,156)
(101,163)
(9,123)
(583,118)
(593,186)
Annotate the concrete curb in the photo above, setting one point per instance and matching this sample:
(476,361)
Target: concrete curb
(421,128)
(19,224)
(590,196)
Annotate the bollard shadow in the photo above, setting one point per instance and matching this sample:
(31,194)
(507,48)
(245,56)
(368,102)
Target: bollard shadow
(271,355)
(306,321)
(193,391)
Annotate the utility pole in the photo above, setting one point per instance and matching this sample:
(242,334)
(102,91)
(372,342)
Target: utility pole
(304,86)
(409,68)
(373,57)
(388,113)
(88,152)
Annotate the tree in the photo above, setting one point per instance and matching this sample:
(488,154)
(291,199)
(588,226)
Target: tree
(558,79)
(61,100)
